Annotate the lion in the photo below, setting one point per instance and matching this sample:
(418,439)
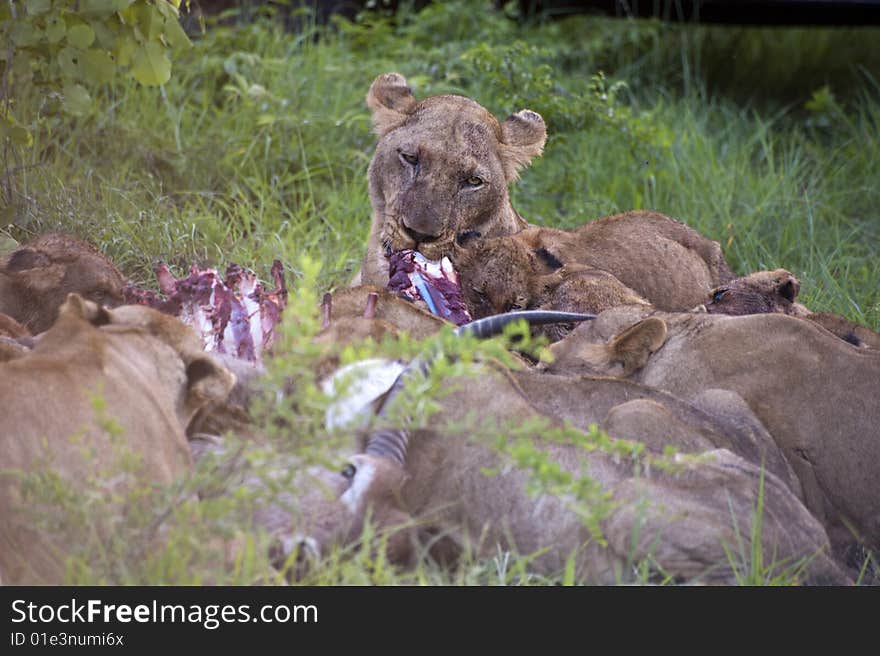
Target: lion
(352,314)
(816,394)
(102,387)
(638,257)
(423,483)
(37,277)
(440,172)
(439,181)
(506,273)
(850,332)
(777,291)
(757,293)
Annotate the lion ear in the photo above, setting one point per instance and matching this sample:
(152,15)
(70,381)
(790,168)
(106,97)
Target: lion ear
(789,286)
(77,306)
(392,102)
(34,270)
(523,137)
(633,347)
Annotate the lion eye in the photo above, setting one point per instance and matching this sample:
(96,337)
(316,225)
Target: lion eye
(412,160)
(474,181)
(717,296)
(349,471)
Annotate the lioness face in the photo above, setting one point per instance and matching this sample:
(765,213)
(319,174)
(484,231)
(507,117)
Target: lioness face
(438,175)
(757,293)
(440,172)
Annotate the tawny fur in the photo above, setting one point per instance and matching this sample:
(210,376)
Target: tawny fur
(682,517)
(506,273)
(846,330)
(757,293)
(152,375)
(777,291)
(816,394)
(391,316)
(37,277)
(648,257)
(350,304)
(15,339)
(441,171)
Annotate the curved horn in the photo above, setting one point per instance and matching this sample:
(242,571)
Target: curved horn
(483,328)
(495,324)
(389,443)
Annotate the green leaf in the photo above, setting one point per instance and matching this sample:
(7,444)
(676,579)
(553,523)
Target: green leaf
(150,64)
(125,47)
(24,35)
(97,66)
(150,21)
(175,35)
(102,7)
(7,244)
(21,137)
(104,36)
(167,9)
(8,217)
(128,16)
(56,29)
(77,100)
(21,68)
(68,62)
(37,7)
(10,129)
(81,36)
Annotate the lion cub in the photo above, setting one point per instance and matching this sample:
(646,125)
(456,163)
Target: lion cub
(504,274)
(633,257)
(776,292)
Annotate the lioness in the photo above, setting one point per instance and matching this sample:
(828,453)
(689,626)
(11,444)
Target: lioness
(37,277)
(432,482)
(440,172)
(776,291)
(816,394)
(100,387)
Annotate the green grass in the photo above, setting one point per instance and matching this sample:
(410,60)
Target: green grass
(258,149)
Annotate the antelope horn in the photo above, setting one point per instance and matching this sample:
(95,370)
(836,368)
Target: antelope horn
(389,443)
(326,311)
(495,324)
(484,328)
